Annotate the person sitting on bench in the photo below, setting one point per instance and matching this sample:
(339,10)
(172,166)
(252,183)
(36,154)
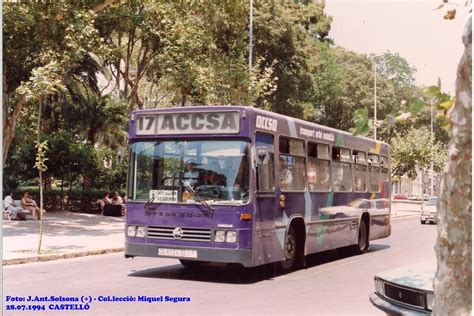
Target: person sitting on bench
(16,211)
(30,204)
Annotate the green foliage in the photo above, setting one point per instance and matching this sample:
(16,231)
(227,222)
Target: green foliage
(415,105)
(19,165)
(98,119)
(443,102)
(56,199)
(41,148)
(341,88)
(285,46)
(413,151)
(90,70)
(395,68)
(362,122)
(66,34)
(112,172)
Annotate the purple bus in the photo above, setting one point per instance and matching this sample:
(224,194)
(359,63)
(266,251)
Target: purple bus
(236,184)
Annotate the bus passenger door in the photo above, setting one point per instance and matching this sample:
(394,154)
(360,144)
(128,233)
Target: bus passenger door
(266,246)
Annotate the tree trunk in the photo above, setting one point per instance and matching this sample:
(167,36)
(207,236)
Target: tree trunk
(453,282)
(10,124)
(40,182)
(62,193)
(92,135)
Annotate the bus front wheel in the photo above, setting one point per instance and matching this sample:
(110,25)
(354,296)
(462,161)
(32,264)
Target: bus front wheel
(289,251)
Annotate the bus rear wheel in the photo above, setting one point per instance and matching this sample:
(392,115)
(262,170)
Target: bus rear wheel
(290,250)
(362,240)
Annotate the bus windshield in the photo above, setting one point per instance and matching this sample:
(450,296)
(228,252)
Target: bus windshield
(209,171)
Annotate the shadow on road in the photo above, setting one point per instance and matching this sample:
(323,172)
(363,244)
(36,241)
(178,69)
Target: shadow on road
(215,273)
(377,247)
(237,274)
(66,224)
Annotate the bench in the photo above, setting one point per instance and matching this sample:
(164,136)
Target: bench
(113,210)
(8,214)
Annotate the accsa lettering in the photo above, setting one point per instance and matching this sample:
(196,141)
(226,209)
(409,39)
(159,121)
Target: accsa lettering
(266,123)
(199,122)
(182,123)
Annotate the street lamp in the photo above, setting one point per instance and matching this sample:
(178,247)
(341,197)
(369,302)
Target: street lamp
(375,92)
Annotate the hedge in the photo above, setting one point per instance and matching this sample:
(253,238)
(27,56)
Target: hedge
(75,201)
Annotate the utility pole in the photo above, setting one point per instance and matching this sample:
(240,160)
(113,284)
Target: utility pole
(431,149)
(422,185)
(375,98)
(374,58)
(251,35)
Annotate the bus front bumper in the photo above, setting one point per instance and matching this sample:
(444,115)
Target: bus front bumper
(242,256)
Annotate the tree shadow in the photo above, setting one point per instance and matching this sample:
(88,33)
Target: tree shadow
(67,225)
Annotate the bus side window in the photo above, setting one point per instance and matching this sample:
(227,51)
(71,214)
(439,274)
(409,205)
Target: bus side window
(264,152)
(341,170)
(374,173)
(384,166)
(319,172)
(292,173)
(360,171)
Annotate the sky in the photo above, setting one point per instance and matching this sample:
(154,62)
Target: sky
(413,29)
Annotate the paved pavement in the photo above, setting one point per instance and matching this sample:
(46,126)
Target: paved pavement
(65,235)
(69,235)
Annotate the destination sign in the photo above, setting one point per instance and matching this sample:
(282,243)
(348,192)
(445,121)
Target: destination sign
(163,196)
(188,123)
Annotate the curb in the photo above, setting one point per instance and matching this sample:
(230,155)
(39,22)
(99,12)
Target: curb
(415,202)
(61,256)
(404,216)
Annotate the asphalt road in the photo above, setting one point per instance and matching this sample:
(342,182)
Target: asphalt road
(335,283)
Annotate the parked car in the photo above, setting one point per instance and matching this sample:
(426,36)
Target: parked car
(400,197)
(430,211)
(406,290)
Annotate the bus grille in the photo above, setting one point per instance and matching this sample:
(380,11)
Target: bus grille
(405,296)
(188,234)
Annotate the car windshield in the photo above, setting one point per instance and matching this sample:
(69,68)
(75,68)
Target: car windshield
(360,203)
(210,171)
(432,201)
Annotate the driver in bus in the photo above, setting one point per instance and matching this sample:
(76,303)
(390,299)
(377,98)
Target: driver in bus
(191,176)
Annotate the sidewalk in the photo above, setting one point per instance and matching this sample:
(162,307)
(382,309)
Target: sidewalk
(65,235)
(69,235)
(405,208)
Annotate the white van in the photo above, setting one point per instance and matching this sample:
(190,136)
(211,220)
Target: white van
(430,211)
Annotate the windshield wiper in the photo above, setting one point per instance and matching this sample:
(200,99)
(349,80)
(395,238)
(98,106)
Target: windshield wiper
(190,188)
(147,205)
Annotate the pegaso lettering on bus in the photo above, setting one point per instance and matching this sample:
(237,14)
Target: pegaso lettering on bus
(311,133)
(188,123)
(266,123)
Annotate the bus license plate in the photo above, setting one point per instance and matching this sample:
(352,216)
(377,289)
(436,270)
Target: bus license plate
(180,253)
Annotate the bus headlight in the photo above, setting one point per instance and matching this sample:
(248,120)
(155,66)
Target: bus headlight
(131,231)
(141,231)
(219,236)
(231,236)
(429,301)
